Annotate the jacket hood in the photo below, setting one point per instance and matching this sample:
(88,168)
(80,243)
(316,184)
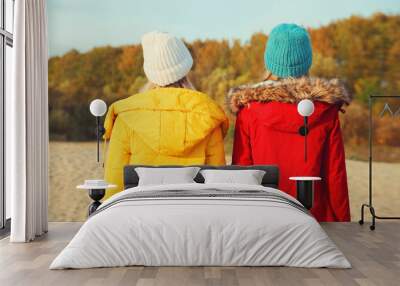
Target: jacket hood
(168,120)
(290,90)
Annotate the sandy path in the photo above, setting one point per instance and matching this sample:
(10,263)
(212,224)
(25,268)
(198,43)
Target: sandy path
(72,163)
(386,187)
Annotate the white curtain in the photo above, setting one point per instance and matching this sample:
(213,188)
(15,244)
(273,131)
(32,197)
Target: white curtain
(27,123)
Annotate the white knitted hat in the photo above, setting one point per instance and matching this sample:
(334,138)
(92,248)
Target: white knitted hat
(166,58)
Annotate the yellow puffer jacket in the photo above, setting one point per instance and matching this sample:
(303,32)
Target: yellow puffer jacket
(163,126)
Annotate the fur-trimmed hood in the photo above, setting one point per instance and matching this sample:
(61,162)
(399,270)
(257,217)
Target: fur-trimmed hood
(289,90)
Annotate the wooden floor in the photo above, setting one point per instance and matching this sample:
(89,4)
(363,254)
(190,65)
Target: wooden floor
(375,257)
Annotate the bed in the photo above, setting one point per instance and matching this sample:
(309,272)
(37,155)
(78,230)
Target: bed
(199,224)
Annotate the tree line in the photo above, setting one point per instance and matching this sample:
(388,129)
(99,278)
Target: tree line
(364,52)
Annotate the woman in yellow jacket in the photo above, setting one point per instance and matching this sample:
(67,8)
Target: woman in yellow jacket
(170,123)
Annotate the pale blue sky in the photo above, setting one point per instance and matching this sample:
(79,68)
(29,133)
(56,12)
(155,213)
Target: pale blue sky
(84,24)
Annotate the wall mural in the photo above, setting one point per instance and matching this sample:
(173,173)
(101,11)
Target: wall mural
(109,66)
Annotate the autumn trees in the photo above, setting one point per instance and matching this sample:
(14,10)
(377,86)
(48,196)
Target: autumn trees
(363,52)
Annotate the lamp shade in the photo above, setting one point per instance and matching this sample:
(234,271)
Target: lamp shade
(98,107)
(305,107)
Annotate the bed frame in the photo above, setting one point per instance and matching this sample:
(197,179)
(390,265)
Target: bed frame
(270,179)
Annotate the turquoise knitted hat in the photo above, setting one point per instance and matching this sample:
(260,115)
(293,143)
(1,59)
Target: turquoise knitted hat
(288,52)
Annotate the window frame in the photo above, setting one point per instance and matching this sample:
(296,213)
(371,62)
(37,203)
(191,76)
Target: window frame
(6,39)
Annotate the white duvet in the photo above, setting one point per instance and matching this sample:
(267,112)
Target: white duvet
(204,231)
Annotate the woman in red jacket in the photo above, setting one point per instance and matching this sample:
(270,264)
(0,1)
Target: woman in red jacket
(267,123)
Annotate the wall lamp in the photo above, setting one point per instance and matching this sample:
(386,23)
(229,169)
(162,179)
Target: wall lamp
(305,108)
(98,108)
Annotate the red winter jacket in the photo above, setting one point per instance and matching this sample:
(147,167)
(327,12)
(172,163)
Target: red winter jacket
(266,132)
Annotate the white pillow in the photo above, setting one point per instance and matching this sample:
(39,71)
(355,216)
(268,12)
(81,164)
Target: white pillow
(166,176)
(247,177)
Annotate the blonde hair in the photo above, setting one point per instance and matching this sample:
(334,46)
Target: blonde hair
(270,76)
(182,83)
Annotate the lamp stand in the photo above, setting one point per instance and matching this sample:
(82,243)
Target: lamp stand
(98,138)
(305,137)
(303,131)
(99,132)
